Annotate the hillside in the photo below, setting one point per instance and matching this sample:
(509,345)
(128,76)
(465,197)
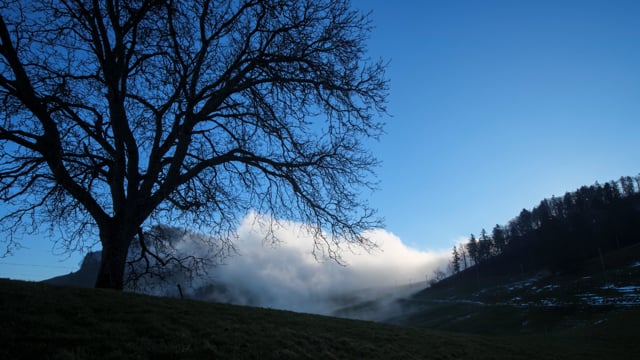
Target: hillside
(45,321)
(559,235)
(568,270)
(597,310)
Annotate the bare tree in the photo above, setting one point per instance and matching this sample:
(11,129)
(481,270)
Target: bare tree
(120,114)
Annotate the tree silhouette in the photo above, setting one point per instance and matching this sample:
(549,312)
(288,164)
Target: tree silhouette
(455,260)
(563,233)
(463,255)
(499,239)
(120,114)
(472,249)
(485,246)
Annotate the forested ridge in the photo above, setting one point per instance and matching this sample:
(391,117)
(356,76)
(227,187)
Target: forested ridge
(559,234)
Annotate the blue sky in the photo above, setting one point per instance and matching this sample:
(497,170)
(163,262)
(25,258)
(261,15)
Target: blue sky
(495,105)
(499,104)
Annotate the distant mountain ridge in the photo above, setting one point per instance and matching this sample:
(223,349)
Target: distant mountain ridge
(84,277)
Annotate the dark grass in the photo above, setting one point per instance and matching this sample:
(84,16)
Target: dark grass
(49,322)
(569,332)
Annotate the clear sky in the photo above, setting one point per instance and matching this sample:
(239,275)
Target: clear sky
(499,104)
(495,105)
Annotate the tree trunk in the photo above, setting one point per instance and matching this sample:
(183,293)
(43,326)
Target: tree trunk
(115,247)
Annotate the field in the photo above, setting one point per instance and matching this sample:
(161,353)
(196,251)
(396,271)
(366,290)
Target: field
(50,322)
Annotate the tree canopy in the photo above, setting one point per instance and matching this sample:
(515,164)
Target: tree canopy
(561,233)
(120,114)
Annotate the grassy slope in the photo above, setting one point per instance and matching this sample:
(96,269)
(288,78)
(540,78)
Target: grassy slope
(548,310)
(44,321)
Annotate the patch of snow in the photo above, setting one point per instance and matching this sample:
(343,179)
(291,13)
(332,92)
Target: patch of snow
(598,300)
(521,284)
(629,289)
(545,289)
(629,296)
(548,303)
(593,299)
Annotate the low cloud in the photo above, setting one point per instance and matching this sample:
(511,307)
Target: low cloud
(288,276)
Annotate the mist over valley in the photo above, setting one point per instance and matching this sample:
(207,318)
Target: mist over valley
(288,276)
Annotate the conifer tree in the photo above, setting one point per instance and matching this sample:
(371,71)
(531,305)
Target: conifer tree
(455,260)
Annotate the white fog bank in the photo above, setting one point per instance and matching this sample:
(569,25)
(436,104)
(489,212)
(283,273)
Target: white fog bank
(288,276)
